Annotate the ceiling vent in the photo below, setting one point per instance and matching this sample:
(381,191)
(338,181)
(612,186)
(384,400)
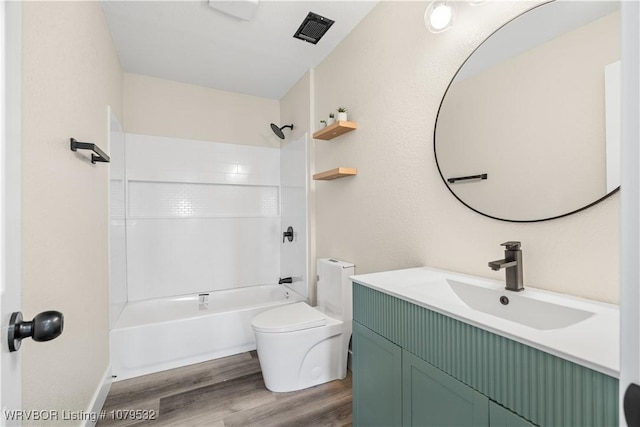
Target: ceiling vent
(313,28)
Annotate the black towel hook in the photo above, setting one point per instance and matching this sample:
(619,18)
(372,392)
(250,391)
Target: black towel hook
(101,155)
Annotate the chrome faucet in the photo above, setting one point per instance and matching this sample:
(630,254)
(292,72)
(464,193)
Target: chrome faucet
(512,263)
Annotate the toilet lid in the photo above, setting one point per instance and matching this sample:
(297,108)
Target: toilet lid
(289,318)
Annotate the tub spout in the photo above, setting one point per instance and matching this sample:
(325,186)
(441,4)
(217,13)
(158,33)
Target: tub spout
(285,280)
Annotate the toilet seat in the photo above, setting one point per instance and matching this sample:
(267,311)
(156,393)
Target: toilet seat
(289,318)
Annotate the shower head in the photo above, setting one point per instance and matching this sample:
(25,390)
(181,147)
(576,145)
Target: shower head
(278,130)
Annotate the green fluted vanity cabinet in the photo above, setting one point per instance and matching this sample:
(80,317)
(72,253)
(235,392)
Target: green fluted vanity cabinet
(445,369)
(392,387)
(432,398)
(377,379)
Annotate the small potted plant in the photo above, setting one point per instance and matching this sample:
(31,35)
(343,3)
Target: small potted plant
(332,119)
(323,123)
(342,114)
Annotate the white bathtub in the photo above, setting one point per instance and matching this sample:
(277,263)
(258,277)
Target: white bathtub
(165,333)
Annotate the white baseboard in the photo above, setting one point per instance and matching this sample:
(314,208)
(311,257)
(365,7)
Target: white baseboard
(99,397)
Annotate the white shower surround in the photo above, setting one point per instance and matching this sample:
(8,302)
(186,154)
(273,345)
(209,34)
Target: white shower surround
(294,256)
(117,225)
(203,217)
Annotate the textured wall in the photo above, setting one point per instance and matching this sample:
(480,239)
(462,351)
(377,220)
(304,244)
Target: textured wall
(391,73)
(160,107)
(295,108)
(70,74)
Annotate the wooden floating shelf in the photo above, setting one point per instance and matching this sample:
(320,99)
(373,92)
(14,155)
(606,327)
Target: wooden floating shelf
(335,174)
(336,129)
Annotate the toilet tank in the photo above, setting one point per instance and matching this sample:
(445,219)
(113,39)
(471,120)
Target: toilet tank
(334,288)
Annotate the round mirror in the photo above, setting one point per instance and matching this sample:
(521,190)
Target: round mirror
(529,128)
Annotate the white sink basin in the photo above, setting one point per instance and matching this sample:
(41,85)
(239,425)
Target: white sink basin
(583,331)
(517,308)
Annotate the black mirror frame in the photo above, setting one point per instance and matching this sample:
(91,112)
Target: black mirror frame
(435,153)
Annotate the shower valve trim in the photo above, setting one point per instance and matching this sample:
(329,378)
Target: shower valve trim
(288,234)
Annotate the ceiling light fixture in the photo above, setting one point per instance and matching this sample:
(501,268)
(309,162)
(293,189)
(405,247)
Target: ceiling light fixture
(241,9)
(439,15)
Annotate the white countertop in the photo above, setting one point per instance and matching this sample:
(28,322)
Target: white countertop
(593,342)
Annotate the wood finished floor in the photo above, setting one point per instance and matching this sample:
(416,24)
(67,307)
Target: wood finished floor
(226,392)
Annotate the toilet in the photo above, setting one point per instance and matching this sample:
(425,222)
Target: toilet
(300,346)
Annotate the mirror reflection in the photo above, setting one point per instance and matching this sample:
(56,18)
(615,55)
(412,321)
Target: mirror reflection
(528,130)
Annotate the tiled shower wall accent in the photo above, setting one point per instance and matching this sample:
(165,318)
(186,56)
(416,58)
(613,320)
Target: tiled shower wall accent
(293,178)
(180,200)
(201,216)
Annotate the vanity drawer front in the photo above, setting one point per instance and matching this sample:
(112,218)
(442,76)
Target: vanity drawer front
(545,389)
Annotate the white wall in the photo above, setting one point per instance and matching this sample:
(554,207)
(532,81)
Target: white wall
(201,216)
(71,73)
(166,108)
(295,107)
(392,73)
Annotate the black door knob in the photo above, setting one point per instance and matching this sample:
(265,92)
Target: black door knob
(44,327)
